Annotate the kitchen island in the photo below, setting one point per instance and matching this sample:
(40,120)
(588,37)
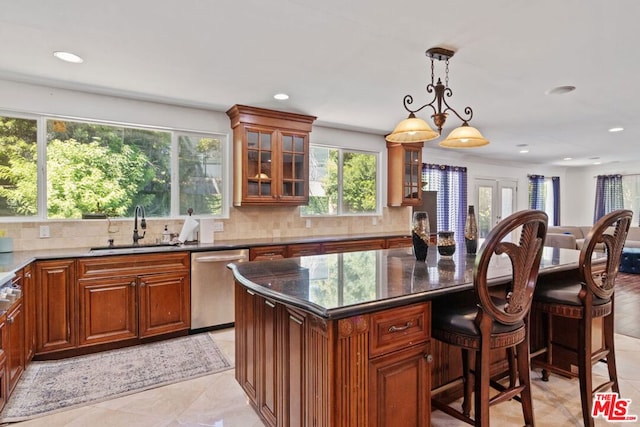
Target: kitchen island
(344,339)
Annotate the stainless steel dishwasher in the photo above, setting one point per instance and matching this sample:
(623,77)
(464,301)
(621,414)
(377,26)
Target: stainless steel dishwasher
(212,283)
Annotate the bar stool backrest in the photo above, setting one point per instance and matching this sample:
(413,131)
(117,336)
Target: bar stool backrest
(525,261)
(611,231)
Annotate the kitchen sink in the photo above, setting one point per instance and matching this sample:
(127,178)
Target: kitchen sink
(114,249)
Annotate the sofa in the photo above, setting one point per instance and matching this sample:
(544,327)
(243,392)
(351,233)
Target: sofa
(572,237)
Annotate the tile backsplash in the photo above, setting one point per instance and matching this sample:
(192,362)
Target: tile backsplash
(244,222)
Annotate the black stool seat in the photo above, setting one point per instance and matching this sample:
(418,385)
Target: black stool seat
(562,292)
(455,322)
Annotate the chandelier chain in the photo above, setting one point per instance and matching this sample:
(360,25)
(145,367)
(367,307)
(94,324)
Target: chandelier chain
(446,73)
(432,71)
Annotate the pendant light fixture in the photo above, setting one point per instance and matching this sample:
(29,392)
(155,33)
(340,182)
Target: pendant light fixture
(414,129)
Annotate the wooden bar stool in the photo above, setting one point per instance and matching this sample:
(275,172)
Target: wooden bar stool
(492,318)
(584,298)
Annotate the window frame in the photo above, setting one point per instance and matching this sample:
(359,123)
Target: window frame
(175,133)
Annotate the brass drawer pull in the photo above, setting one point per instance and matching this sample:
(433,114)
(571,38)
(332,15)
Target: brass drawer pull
(395,328)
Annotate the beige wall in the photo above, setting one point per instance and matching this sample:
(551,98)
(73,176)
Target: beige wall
(244,223)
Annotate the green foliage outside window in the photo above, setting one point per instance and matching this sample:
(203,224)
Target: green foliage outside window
(333,172)
(18,167)
(102,168)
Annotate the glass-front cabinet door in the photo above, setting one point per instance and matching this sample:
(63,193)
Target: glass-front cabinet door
(294,166)
(259,163)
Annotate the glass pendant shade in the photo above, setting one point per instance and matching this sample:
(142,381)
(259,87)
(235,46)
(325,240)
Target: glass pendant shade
(464,137)
(412,129)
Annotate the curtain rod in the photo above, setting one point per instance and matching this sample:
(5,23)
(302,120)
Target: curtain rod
(621,174)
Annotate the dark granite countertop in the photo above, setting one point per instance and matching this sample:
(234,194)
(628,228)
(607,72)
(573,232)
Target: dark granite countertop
(334,286)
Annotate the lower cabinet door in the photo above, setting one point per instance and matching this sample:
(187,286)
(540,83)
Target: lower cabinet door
(269,381)
(400,388)
(164,303)
(108,310)
(15,348)
(56,326)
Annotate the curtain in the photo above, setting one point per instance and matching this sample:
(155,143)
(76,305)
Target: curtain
(536,192)
(609,195)
(555,183)
(451,184)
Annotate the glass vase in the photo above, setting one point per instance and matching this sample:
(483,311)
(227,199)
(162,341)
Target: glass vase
(420,234)
(471,232)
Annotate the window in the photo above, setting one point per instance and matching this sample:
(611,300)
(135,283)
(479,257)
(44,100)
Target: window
(544,194)
(201,173)
(631,194)
(108,168)
(342,182)
(451,184)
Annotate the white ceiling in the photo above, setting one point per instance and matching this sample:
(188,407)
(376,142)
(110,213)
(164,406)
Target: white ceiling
(350,62)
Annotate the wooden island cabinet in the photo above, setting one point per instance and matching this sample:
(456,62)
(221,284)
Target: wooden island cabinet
(344,339)
(300,369)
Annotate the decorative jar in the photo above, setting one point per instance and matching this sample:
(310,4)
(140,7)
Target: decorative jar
(446,243)
(471,232)
(420,234)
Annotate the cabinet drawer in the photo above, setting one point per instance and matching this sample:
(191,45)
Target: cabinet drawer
(354,245)
(398,328)
(267,253)
(128,265)
(399,242)
(304,249)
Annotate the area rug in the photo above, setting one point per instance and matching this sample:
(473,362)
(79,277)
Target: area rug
(51,386)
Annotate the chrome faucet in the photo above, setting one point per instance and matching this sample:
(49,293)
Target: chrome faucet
(143,224)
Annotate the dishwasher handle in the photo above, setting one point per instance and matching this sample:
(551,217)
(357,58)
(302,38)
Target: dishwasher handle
(221,258)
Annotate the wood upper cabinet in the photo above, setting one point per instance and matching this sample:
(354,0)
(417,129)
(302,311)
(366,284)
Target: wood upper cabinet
(404,174)
(133,296)
(271,156)
(56,321)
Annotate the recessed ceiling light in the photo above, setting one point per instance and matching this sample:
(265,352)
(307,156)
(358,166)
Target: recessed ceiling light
(281,96)
(616,129)
(524,151)
(560,90)
(68,57)
(597,163)
(568,158)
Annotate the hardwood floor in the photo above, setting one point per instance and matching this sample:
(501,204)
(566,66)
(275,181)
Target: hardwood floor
(627,305)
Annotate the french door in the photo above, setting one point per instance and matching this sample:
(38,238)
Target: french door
(494,199)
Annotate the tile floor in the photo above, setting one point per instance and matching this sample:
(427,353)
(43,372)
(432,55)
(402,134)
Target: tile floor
(217,400)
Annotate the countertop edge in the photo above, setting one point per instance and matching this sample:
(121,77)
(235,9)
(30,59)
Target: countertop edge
(20,259)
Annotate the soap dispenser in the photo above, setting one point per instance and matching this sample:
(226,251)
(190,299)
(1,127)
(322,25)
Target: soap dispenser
(166,236)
